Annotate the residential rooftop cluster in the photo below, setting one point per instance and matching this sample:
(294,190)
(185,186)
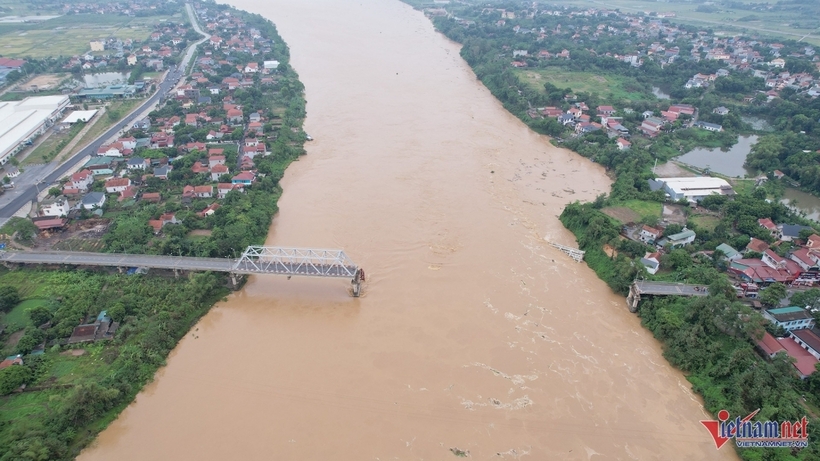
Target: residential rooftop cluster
(201,145)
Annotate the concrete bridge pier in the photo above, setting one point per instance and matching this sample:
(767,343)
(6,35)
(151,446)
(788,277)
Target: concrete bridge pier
(358,278)
(234,283)
(633,298)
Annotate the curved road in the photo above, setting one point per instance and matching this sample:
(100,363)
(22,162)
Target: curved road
(171,79)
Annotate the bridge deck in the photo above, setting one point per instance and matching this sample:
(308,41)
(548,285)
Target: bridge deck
(671,289)
(236,266)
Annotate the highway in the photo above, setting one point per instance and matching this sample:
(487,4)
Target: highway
(27,189)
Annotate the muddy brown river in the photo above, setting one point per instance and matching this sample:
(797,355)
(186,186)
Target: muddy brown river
(473,333)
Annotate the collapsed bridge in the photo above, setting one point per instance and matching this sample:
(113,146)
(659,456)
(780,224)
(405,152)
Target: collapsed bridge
(254,260)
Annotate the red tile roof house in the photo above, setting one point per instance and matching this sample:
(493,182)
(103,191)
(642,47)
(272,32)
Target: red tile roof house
(152,197)
(649,234)
(117,185)
(167,218)
(623,144)
(804,360)
(813,242)
(605,110)
(129,193)
(757,245)
(81,180)
(223,188)
(11,360)
(198,167)
(770,226)
(217,171)
(245,178)
(210,210)
(235,116)
(214,160)
(198,191)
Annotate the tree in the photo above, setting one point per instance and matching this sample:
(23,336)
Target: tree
(39,315)
(809,298)
(771,295)
(13,377)
(9,297)
(23,228)
(55,192)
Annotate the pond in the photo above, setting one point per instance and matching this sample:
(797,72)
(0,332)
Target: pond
(803,202)
(105,79)
(729,162)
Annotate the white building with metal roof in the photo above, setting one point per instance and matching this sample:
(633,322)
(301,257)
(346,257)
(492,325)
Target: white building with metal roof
(696,188)
(22,121)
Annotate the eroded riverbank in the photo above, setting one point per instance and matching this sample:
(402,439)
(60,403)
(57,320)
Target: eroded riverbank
(473,333)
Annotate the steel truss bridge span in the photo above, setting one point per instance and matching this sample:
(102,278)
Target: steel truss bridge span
(303,262)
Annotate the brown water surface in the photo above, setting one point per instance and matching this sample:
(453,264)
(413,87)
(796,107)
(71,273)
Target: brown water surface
(473,333)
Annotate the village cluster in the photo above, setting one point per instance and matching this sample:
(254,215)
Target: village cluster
(757,266)
(120,176)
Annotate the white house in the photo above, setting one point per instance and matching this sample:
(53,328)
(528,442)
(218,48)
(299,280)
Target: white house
(93,200)
(271,65)
(81,180)
(57,206)
(790,318)
(651,262)
(117,185)
(649,234)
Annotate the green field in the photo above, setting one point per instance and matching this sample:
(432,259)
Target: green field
(70,35)
(725,20)
(610,87)
(705,222)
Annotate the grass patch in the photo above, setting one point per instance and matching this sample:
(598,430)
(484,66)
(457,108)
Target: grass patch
(743,187)
(51,146)
(609,87)
(645,209)
(705,222)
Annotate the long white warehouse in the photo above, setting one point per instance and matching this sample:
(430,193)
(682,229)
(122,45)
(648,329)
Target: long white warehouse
(696,188)
(22,121)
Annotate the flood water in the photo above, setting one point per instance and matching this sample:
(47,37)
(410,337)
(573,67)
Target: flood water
(105,79)
(802,201)
(729,163)
(472,334)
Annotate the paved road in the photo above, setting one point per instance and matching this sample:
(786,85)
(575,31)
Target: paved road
(176,262)
(33,180)
(671,289)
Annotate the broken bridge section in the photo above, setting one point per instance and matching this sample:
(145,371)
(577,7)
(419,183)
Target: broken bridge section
(254,260)
(644,287)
